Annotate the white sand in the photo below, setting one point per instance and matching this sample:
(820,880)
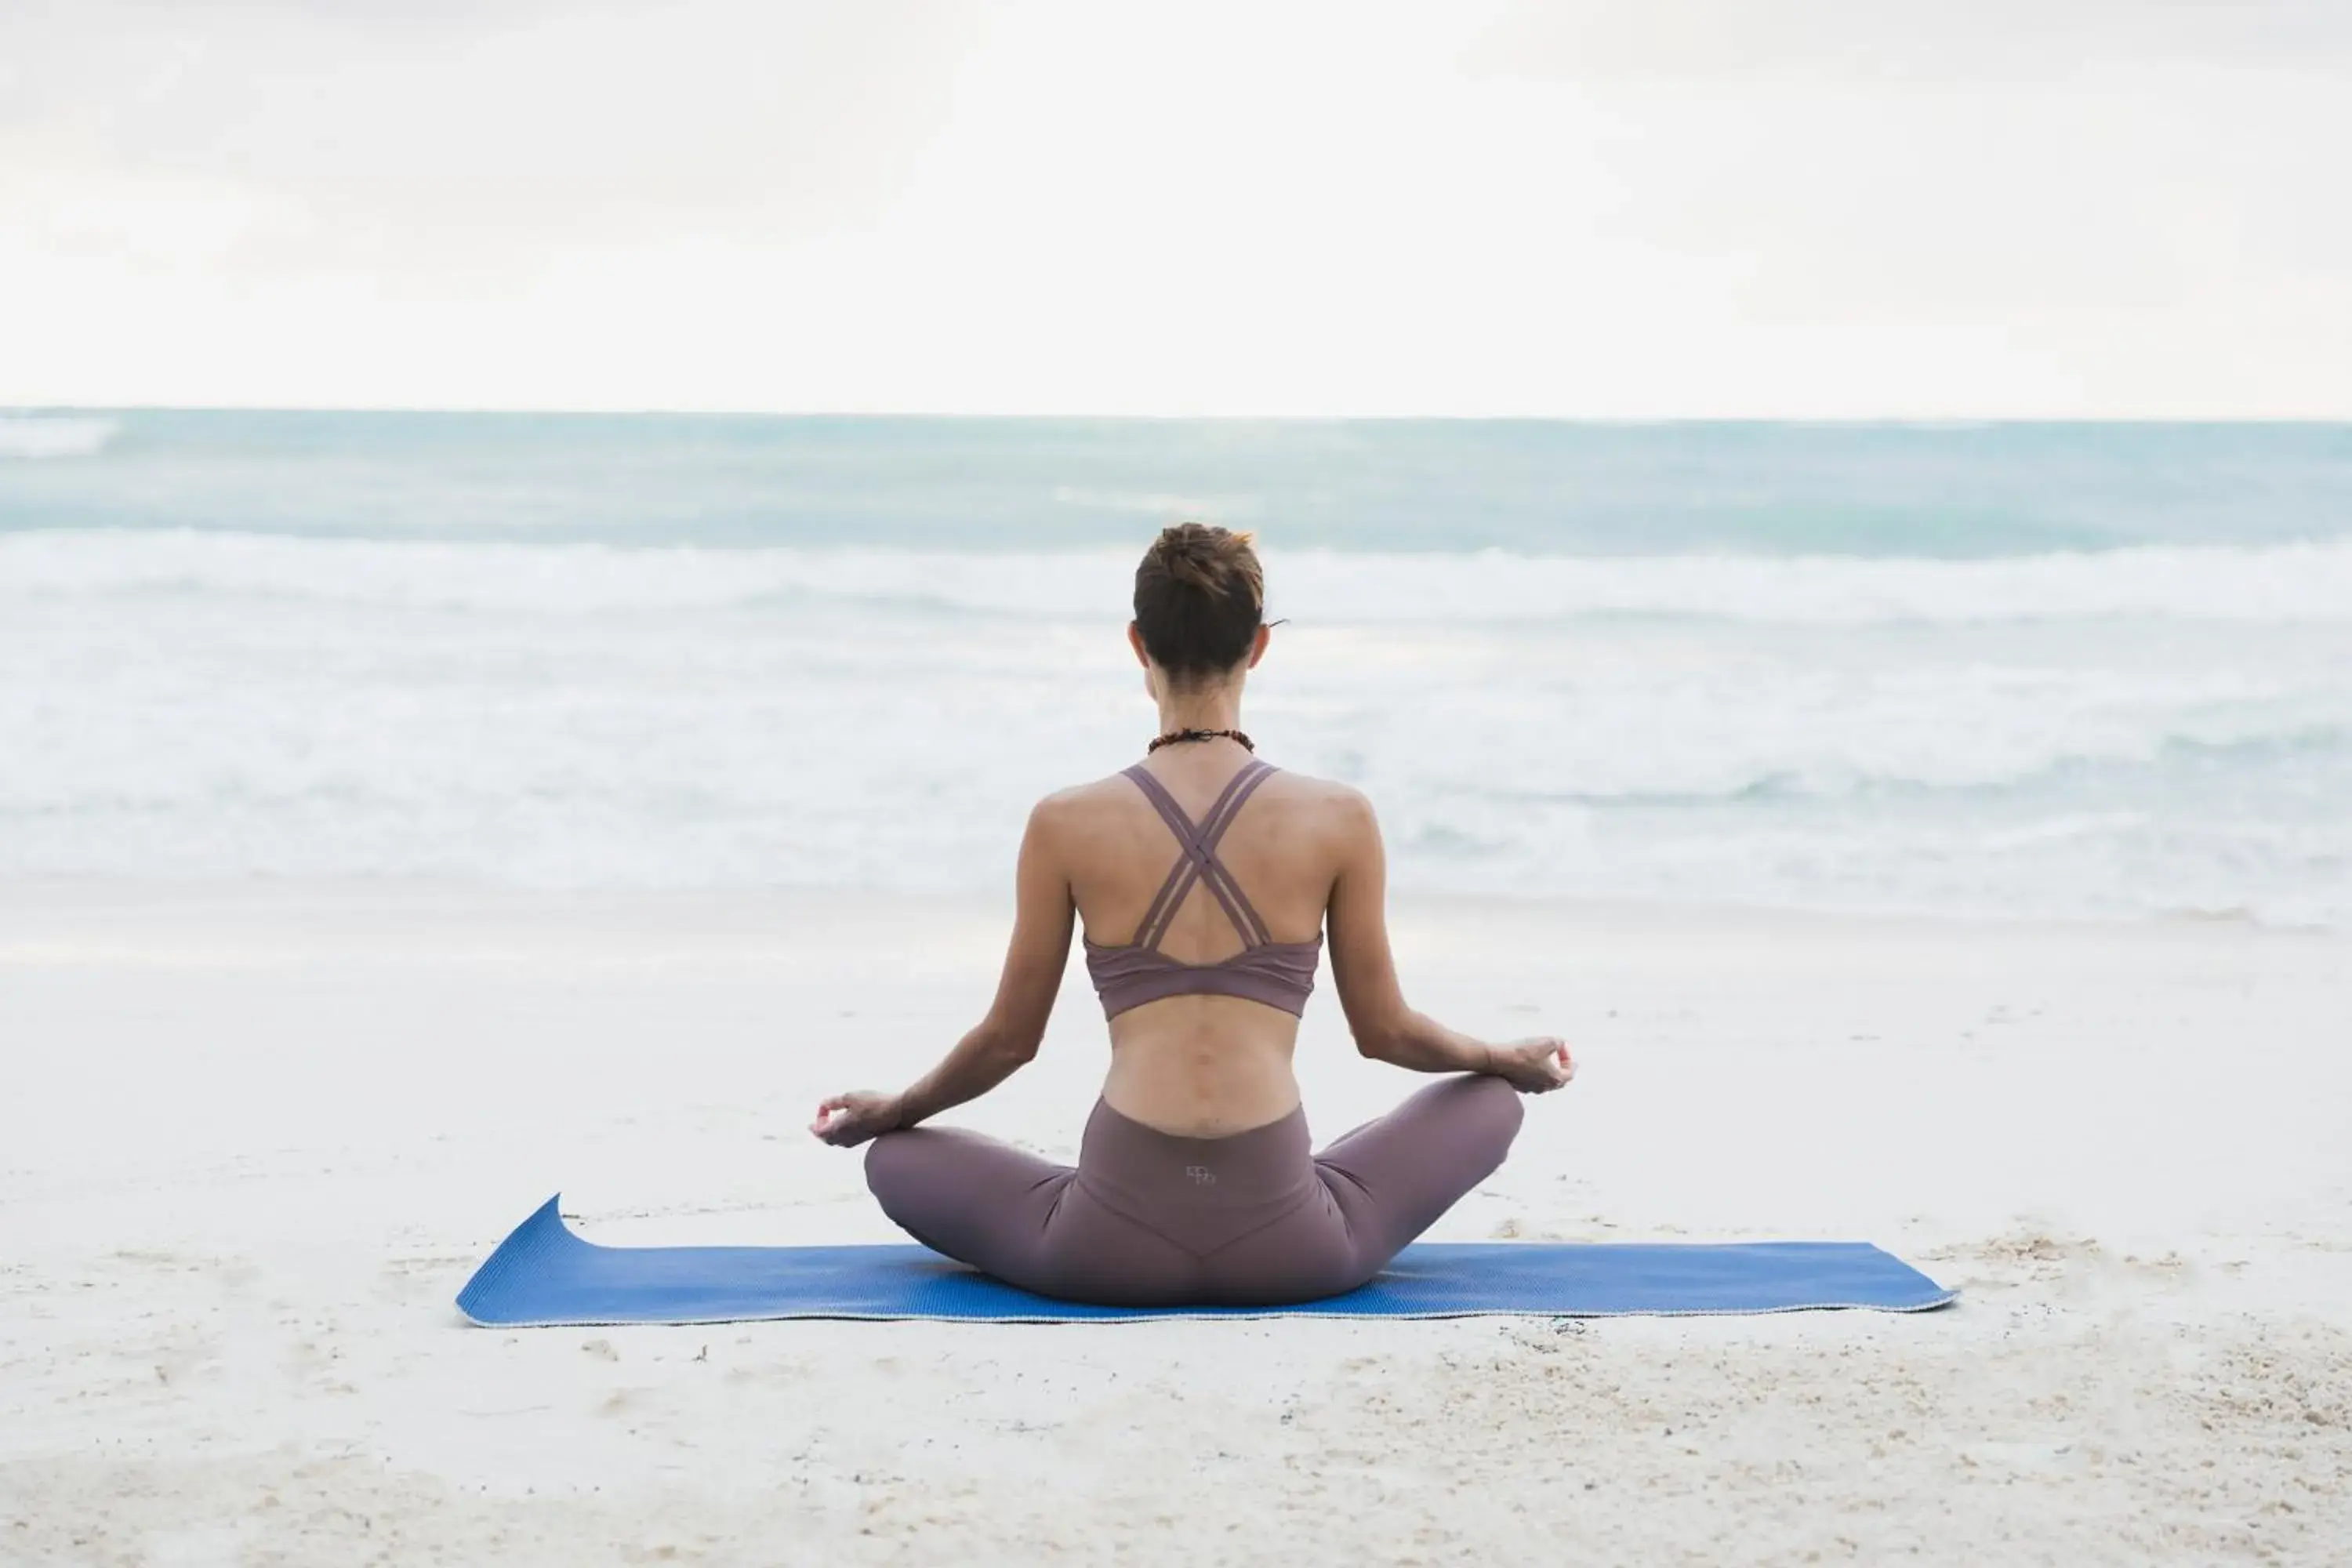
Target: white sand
(252,1143)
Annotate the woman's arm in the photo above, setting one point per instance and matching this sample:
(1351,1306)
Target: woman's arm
(1365,972)
(1007,1038)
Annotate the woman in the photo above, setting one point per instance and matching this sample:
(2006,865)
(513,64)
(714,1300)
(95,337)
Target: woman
(1195,1182)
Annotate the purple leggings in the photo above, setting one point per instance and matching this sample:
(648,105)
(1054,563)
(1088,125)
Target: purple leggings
(1151,1219)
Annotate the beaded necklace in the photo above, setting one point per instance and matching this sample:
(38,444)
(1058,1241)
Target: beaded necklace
(1175,736)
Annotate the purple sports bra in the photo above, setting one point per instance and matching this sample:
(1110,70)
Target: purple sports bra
(1279,973)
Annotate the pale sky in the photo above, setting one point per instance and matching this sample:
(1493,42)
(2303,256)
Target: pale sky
(1592,208)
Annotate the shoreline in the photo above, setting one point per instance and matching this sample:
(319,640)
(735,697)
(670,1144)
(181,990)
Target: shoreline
(26,900)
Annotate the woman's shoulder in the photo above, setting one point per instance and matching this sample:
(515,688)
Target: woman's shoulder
(1340,808)
(1309,786)
(1081,797)
(1285,787)
(1100,816)
(1072,808)
(1289,781)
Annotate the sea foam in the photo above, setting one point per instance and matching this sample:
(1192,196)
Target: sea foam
(55,435)
(2147,730)
(2269,585)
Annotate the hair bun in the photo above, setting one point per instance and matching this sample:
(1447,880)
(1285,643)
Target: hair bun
(1200,597)
(1208,558)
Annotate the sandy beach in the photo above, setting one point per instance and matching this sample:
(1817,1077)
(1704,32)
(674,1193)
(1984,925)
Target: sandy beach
(257,1136)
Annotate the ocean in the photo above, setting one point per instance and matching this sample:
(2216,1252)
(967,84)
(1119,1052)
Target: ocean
(2055,672)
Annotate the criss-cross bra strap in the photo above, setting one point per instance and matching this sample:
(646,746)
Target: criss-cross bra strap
(1199,862)
(1200,865)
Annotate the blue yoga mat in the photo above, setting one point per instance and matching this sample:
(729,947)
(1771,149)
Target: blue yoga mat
(544,1275)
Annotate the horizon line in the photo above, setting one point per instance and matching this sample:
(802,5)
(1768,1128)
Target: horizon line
(1928,421)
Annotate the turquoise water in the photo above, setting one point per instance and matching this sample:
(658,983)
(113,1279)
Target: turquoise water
(1023,484)
(2003,671)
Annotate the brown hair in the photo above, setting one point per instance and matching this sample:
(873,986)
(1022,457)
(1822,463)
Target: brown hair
(1199,597)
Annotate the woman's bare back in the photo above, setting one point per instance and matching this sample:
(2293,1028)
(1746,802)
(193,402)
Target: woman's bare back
(1202,1066)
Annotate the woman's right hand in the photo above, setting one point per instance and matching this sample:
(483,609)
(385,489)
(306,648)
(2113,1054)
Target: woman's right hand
(1532,1067)
(848,1120)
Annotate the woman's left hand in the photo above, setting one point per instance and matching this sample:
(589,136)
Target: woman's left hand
(1532,1067)
(848,1120)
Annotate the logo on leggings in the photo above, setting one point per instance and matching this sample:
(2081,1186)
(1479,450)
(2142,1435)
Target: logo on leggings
(1202,1176)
